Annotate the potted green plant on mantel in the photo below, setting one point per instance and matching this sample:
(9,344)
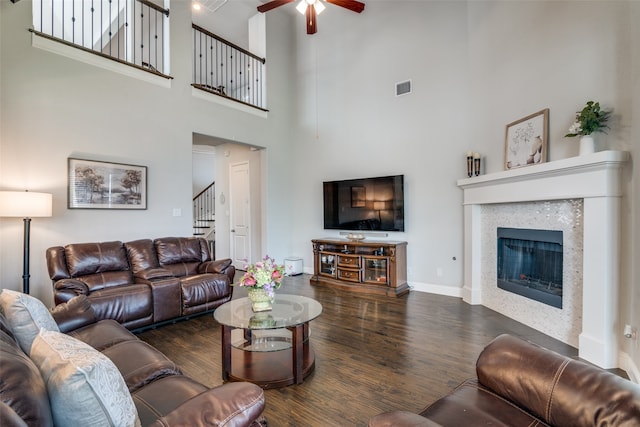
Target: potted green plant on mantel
(590,119)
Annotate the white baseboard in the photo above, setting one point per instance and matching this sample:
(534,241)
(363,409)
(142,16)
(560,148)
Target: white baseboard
(450,291)
(627,364)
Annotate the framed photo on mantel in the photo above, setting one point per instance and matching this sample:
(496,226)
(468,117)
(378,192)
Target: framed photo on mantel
(103,185)
(526,141)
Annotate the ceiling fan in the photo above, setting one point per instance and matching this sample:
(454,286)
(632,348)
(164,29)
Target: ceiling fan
(312,8)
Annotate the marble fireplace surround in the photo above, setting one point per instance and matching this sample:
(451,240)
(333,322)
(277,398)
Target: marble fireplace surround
(594,178)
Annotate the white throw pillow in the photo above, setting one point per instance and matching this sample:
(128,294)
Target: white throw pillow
(26,316)
(85,387)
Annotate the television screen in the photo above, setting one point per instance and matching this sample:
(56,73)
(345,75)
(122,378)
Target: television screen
(364,204)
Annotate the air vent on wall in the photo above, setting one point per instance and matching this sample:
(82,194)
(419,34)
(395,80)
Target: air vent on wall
(403,88)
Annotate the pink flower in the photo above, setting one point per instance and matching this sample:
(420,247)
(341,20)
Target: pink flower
(276,275)
(248,280)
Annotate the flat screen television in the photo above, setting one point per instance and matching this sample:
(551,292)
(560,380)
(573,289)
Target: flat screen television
(364,204)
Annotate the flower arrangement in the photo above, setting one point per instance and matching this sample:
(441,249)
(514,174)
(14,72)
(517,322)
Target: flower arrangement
(265,274)
(591,119)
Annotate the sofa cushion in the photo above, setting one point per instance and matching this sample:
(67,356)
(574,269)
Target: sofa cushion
(106,280)
(139,363)
(127,304)
(26,316)
(103,334)
(91,258)
(204,292)
(85,388)
(152,401)
(21,386)
(142,255)
(173,250)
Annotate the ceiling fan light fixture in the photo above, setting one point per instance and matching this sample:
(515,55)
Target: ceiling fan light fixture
(319,7)
(311,13)
(317,4)
(302,7)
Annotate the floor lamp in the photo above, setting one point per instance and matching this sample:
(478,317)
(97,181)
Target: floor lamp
(26,205)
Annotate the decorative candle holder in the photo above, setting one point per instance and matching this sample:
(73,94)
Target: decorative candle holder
(469,164)
(476,163)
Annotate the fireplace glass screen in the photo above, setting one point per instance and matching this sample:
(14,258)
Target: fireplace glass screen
(530,264)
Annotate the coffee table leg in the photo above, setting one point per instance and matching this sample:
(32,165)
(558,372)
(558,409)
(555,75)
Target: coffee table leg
(297,344)
(226,352)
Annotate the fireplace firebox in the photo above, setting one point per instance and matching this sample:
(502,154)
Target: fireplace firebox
(530,264)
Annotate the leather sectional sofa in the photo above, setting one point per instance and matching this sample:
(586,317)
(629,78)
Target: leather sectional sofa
(69,369)
(142,283)
(521,384)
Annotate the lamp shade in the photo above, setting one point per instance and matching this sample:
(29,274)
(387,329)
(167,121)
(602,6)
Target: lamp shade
(379,206)
(25,204)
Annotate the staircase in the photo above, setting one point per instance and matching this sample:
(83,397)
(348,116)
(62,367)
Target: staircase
(204,213)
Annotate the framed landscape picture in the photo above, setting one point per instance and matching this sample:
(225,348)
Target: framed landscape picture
(526,141)
(102,185)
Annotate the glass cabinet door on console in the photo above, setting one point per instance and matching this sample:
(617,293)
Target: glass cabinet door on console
(327,264)
(369,266)
(376,270)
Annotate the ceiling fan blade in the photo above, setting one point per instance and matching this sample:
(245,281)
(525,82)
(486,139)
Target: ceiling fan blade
(352,5)
(272,5)
(312,27)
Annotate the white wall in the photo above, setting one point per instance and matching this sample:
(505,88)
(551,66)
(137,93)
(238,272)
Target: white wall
(476,66)
(203,160)
(54,107)
(351,124)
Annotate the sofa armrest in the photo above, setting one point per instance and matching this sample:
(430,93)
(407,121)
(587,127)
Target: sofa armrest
(151,274)
(401,419)
(74,314)
(230,405)
(65,289)
(557,389)
(218,266)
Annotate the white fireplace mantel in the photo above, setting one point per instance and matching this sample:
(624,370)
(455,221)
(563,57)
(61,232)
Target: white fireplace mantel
(596,179)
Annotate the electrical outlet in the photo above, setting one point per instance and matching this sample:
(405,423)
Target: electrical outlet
(177,212)
(439,272)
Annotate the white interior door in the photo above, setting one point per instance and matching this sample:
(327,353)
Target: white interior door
(240,213)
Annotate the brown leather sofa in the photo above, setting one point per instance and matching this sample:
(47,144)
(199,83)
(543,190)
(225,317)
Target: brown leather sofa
(521,384)
(142,283)
(153,387)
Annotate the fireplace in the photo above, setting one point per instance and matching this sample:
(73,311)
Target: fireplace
(529,263)
(589,317)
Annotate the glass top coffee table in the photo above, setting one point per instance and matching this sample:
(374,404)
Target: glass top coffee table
(268,348)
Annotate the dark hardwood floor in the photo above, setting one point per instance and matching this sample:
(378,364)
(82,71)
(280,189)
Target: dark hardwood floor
(373,353)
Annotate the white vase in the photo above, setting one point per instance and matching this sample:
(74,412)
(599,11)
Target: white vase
(587,145)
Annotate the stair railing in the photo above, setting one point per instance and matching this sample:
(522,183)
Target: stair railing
(204,211)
